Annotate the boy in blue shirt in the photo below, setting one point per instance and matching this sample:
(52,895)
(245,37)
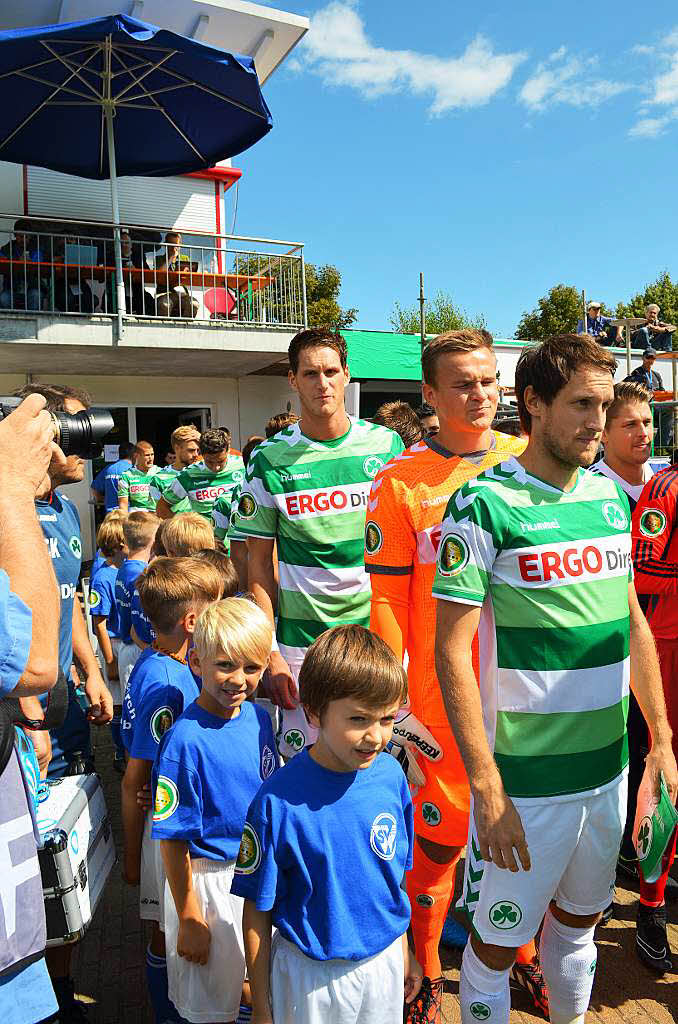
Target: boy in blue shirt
(139,529)
(208,770)
(173,592)
(325,847)
(104,612)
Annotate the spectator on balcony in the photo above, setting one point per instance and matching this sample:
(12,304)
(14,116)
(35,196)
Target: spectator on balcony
(177,301)
(599,326)
(138,301)
(654,333)
(22,288)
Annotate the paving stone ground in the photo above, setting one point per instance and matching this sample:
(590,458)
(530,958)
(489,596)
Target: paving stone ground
(109,972)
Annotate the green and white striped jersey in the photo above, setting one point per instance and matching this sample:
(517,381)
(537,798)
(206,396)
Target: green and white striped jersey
(161,482)
(551,570)
(201,487)
(136,487)
(311,496)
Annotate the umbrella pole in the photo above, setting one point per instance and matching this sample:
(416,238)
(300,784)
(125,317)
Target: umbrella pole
(110,139)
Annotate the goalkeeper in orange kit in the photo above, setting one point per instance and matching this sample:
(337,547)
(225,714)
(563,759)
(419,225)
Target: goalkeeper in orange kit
(404,516)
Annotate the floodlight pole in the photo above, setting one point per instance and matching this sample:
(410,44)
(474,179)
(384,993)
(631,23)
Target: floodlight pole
(422,313)
(583,302)
(110,140)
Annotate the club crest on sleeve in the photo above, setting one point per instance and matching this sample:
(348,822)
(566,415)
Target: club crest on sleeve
(453,555)
(166,799)
(267,762)
(161,721)
(374,538)
(94,599)
(652,522)
(383,836)
(249,854)
(247,506)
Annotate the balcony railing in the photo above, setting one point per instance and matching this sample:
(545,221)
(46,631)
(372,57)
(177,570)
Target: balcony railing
(68,268)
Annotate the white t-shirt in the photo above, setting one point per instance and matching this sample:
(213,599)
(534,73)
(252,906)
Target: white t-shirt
(632,491)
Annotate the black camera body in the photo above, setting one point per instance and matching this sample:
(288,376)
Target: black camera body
(79,434)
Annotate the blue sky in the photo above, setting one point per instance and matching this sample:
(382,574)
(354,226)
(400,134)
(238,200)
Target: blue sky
(500,148)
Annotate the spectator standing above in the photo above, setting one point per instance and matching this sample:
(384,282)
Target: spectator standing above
(29,619)
(22,287)
(428,418)
(176,301)
(645,374)
(407,503)
(402,419)
(105,483)
(134,486)
(305,493)
(598,326)
(201,483)
(186,451)
(655,333)
(549,802)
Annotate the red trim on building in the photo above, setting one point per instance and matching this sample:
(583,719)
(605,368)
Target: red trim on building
(227,175)
(217,201)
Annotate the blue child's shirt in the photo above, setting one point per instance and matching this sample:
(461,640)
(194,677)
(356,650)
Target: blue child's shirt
(124,591)
(142,625)
(205,776)
(159,689)
(326,852)
(102,597)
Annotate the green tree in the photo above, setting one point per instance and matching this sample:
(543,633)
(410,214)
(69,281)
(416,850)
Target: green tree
(322,298)
(556,313)
(663,291)
(441,315)
(283,297)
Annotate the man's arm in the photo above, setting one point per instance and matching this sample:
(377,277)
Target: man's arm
(646,684)
(99,623)
(40,739)
(163,510)
(193,938)
(498,824)
(123,502)
(26,447)
(137,775)
(96,691)
(256,926)
(239,559)
(261,581)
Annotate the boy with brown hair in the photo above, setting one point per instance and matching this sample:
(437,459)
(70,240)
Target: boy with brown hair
(336,813)
(139,531)
(173,592)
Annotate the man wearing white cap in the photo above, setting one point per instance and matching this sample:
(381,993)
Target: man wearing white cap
(598,326)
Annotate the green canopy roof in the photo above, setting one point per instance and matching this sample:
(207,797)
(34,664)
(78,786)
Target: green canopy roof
(380,355)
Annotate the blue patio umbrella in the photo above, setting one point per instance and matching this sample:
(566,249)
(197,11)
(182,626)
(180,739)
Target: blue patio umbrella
(114,96)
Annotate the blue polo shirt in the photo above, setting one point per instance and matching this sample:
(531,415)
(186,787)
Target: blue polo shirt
(106,482)
(124,591)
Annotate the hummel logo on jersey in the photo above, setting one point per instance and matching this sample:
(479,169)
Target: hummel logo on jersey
(549,524)
(288,477)
(383,836)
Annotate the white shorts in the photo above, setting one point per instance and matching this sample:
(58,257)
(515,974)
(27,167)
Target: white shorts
(295,732)
(113,684)
(211,991)
(573,847)
(152,881)
(128,656)
(305,991)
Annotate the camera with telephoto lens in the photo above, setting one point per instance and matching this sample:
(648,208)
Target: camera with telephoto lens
(76,434)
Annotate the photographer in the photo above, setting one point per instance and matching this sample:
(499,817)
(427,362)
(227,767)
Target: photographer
(71,752)
(29,613)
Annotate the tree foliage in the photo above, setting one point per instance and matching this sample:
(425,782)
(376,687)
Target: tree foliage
(441,315)
(663,291)
(555,313)
(322,298)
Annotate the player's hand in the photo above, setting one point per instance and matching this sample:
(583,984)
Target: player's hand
(26,448)
(414,974)
(99,698)
(283,689)
(112,670)
(193,939)
(661,759)
(499,828)
(145,797)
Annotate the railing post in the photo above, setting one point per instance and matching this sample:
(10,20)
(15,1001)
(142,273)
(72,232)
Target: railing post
(303,287)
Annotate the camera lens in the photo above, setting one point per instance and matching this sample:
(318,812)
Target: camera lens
(82,433)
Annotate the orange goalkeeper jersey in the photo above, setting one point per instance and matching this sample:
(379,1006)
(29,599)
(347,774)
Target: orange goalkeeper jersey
(402,532)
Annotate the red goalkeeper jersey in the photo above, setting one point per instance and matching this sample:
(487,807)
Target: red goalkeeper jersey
(655,551)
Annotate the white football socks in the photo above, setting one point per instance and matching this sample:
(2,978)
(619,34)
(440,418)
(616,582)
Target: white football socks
(568,961)
(483,993)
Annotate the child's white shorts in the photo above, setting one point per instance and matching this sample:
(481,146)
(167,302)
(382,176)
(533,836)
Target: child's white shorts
(305,991)
(128,655)
(208,992)
(573,846)
(152,876)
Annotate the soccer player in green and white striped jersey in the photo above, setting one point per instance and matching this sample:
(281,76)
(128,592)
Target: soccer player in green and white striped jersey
(134,486)
(535,554)
(306,491)
(185,445)
(203,482)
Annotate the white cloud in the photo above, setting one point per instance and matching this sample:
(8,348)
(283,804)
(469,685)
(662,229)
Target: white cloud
(651,127)
(337,48)
(666,84)
(568,79)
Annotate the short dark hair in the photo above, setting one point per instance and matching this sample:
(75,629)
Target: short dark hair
(279,422)
(217,439)
(548,366)
(402,419)
(316,337)
(350,661)
(55,395)
(425,410)
(467,340)
(246,454)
